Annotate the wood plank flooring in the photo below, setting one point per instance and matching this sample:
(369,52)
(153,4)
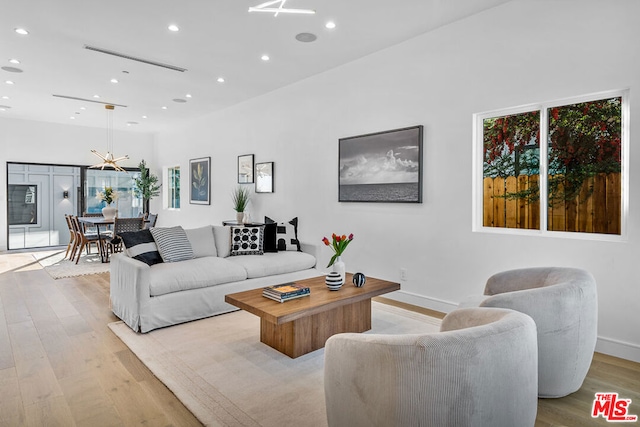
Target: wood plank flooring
(60,365)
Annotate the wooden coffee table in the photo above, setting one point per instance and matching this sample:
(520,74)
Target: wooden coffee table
(302,325)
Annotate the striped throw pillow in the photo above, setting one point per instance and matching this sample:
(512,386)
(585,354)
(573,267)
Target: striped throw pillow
(173,243)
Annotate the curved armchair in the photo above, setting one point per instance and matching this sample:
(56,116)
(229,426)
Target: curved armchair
(479,370)
(563,303)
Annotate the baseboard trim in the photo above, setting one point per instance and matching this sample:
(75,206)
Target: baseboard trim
(617,348)
(434,304)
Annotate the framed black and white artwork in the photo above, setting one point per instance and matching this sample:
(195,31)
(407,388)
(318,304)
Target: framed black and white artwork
(200,181)
(245,169)
(381,167)
(264,177)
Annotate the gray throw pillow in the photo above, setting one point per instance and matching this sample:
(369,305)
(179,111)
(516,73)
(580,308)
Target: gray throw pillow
(173,243)
(202,241)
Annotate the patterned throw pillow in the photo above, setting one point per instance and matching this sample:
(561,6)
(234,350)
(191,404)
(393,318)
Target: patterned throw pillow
(286,234)
(247,240)
(141,246)
(173,243)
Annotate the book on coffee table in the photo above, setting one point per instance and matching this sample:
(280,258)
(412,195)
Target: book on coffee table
(285,292)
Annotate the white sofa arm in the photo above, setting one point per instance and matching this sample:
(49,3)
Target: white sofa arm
(311,249)
(130,293)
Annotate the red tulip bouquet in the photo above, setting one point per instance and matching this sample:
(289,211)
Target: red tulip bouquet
(338,245)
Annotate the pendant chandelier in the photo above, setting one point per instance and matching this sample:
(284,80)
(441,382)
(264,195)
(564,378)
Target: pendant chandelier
(108,160)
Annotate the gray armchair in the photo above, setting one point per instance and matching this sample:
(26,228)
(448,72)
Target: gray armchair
(563,303)
(479,370)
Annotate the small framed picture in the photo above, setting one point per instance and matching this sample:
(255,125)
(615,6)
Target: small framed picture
(264,177)
(245,169)
(200,181)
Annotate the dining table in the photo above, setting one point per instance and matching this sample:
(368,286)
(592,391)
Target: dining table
(98,221)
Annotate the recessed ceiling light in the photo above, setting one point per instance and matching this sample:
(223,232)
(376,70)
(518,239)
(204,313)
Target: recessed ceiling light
(5,97)
(265,57)
(21,31)
(144,117)
(114,80)
(220,80)
(330,25)
(9,82)
(173,28)
(72,117)
(83,108)
(14,61)
(188,95)
(164,108)
(96,96)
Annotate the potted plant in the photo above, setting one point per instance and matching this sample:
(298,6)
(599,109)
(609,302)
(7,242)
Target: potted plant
(109,195)
(240,198)
(146,186)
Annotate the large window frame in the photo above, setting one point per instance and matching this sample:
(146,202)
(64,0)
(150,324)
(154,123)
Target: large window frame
(171,193)
(543,107)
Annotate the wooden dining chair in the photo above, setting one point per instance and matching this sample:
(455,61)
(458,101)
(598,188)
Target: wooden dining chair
(84,239)
(71,246)
(123,225)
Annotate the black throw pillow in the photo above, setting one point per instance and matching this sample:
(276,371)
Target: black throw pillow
(141,246)
(270,241)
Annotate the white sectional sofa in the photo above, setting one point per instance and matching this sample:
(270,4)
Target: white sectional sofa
(147,297)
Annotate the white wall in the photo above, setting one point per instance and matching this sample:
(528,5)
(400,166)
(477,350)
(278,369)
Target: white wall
(39,142)
(515,54)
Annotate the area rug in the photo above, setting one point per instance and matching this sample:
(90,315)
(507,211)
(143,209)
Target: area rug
(58,267)
(222,372)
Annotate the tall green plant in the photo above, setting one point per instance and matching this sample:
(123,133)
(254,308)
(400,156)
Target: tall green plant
(240,198)
(146,186)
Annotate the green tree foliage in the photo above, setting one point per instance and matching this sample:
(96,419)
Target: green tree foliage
(146,185)
(584,140)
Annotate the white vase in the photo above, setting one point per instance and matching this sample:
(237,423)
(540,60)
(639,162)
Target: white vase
(339,267)
(240,217)
(109,212)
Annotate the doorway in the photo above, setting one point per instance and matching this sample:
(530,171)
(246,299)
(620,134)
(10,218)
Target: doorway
(40,195)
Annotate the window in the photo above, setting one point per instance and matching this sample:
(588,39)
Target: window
(574,183)
(173,187)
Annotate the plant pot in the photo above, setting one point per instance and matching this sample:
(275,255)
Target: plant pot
(240,217)
(109,212)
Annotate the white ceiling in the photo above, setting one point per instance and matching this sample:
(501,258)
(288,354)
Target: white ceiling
(217,38)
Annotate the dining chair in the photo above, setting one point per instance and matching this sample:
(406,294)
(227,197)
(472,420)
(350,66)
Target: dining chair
(123,225)
(71,246)
(84,240)
(151,220)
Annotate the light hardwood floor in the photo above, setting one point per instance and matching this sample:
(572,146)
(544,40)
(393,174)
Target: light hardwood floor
(61,366)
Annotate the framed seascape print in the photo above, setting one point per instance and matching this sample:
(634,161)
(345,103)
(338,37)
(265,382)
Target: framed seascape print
(264,177)
(245,169)
(381,167)
(200,181)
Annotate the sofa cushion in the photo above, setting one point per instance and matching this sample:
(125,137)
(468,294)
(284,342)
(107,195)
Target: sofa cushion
(274,263)
(286,234)
(141,246)
(173,244)
(246,240)
(193,274)
(202,241)
(222,236)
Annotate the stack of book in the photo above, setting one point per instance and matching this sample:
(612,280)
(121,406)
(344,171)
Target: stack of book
(285,292)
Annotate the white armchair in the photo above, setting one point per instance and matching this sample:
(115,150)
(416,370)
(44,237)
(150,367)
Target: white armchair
(564,304)
(479,370)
